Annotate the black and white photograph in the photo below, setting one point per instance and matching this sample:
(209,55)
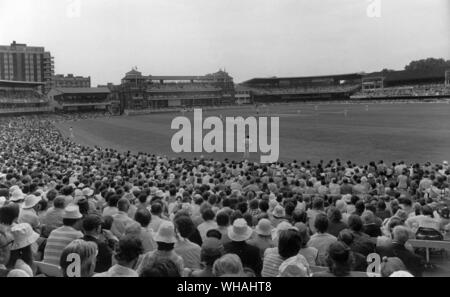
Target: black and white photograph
(224,146)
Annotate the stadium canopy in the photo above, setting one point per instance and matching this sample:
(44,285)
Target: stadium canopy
(348,76)
(100,90)
(17,83)
(409,76)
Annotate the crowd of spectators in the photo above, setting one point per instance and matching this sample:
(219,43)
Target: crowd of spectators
(345,88)
(427,90)
(146,215)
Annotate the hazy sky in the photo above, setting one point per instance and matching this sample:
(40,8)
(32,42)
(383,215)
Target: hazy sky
(250,38)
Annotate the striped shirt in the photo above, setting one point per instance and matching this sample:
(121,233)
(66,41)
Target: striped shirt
(272,262)
(57,241)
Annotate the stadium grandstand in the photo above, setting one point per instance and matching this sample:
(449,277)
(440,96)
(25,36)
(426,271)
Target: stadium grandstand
(404,84)
(148,93)
(287,89)
(20,97)
(79,99)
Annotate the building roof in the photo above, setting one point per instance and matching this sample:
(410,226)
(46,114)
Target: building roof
(82,90)
(176,77)
(403,75)
(21,83)
(277,79)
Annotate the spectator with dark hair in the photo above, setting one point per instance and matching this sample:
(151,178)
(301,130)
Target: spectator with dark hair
(321,240)
(189,251)
(335,224)
(128,251)
(156,212)
(111,209)
(92,227)
(121,218)
(212,249)
(9,214)
(6,241)
(143,217)
(289,245)
(161,268)
(223,222)
(382,212)
(208,222)
(338,262)
(362,243)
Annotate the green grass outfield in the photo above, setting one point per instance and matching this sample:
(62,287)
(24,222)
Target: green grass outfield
(413,132)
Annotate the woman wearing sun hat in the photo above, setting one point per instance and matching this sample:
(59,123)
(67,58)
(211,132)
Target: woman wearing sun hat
(23,248)
(239,233)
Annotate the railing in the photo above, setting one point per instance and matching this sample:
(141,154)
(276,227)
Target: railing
(24,110)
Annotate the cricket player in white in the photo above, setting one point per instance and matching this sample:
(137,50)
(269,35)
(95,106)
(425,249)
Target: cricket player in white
(247,148)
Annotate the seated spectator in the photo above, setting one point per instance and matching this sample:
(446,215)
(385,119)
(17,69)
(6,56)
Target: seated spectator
(54,216)
(371,224)
(414,263)
(425,220)
(359,261)
(87,252)
(128,251)
(23,247)
(6,241)
(165,240)
(223,222)
(335,224)
(321,240)
(239,233)
(262,237)
(362,243)
(92,226)
(143,217)
(29,212)
(228,265)
(310,253)
(212,249)
(208,222)
(189,251)
(288,246)
(338,262)
(121,218)
(62,236)
(161,267)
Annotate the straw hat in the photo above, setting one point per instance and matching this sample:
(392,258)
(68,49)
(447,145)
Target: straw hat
(166,232)
(264,227)
(72,212)
(278,212)
(17,195)
(23,236)
(240,231)
(31,201)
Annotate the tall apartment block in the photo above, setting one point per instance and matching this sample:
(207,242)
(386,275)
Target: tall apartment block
(19,62)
